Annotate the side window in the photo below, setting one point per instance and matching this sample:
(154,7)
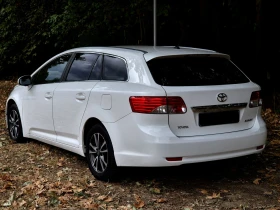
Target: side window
(52,71)
(96,71)
(114,69)
(81,66)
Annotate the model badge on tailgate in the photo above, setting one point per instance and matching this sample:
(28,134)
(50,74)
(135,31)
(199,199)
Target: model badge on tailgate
(183,127)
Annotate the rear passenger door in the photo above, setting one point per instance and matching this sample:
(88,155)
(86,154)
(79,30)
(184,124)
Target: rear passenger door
(71,96)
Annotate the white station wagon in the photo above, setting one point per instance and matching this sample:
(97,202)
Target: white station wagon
(139,106)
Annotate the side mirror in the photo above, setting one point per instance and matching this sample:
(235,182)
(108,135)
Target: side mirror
(24,80)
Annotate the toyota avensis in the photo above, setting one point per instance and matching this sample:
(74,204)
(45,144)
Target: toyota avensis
(139,106)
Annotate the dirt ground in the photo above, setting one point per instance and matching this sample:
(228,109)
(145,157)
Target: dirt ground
(34,175)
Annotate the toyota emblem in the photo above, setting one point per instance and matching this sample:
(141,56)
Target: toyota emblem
(222,97)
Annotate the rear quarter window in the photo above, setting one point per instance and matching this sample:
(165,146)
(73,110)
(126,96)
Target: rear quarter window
(195,71)
(114,69)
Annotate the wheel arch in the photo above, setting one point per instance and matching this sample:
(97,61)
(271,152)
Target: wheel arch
(15,99)
(87,126)
(9,103)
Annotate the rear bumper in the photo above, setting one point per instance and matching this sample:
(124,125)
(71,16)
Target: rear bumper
(151,145)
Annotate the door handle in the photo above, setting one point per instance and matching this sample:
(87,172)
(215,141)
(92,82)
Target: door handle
(80,96)
(48,95)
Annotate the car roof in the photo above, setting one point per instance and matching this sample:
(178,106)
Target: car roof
(149,52)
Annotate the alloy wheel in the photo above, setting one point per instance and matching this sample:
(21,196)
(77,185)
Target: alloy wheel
(14,124)
(98,152)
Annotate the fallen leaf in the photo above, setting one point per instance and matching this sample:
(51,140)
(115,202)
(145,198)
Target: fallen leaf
(78,190)
(66,190)
(64,199)
(10,200)
(257,181)
(57,191)
(224,191)
(15,204)
(271,170)
(139,203)
(102,197)
(40,192)
(59,174)
(60,164)
(22,203)
(61,159)
(267,193)
(92,206)
(155,190)
(27,188)
(161,200)
(214,196)
(8,185)
(92,184)
(109,199)
(6,177)
(204,192)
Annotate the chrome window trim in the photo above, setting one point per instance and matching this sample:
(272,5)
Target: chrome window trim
(218,108)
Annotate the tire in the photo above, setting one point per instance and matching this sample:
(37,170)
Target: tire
(14,124)
(100,154)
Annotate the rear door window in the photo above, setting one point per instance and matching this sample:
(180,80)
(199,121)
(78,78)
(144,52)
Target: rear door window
(195,71)
(81,67)
(114,69)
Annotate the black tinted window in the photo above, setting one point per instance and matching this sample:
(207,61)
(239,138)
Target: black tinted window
(96,71)
(114,69)
(51,72)
(81,66)
(194,71)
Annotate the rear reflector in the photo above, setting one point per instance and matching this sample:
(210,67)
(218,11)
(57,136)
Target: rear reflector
(260,147)
(157,105)
(255,99)
(174,159)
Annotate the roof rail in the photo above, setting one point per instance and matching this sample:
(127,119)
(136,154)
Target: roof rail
(127,48)
(193,48)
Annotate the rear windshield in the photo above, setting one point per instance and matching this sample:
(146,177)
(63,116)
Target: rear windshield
(195,71)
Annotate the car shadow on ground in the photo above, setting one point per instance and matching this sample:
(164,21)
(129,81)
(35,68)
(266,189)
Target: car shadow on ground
(229,169)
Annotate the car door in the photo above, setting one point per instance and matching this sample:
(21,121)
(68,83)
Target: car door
(37,103)
(71,96)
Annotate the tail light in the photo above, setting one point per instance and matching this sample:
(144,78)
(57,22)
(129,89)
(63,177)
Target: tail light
(255,99)
(158,105)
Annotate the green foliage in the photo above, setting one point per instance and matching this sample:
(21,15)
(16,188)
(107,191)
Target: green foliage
(22,27)
(31,31)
